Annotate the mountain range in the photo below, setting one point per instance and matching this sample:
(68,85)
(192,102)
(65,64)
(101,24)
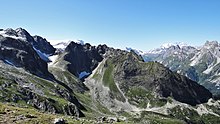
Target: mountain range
(81,83)
(200,64)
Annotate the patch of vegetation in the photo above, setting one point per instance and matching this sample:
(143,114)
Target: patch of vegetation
(158,102)
(13,114)
(210,119)
(155,118)
(96,76)
(92,107)
(191,116)
(103,109)
(108,81)
(141,97)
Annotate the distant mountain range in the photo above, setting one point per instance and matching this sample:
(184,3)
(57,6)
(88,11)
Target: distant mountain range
(103,84)
(200,64)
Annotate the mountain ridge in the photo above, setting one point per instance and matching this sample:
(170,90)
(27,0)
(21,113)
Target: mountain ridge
(193,62)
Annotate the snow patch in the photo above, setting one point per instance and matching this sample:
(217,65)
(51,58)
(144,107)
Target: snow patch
(168,45)
(83,74)
(62,44)
(209,69)
(8,62)
(195,60)
(42,55)
(3,33)
(52,59)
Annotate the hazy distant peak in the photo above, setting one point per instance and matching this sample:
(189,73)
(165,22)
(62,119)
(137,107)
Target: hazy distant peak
(62,44)
(167,45)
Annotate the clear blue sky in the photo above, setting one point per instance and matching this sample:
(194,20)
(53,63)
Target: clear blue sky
(141,24)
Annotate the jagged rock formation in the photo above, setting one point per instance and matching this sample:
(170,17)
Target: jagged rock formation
(79,58)
(43,45)
(21,54)
(39,44)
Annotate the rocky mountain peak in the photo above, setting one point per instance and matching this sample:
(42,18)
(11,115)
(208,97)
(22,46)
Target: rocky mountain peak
(19,53)
(80,58)
(10,31)
(43,45)
(211,43)
(21,31)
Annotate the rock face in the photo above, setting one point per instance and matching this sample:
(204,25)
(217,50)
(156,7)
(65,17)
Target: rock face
(43,45)
(79,58)
(40,45)
(24,34)
(21,54)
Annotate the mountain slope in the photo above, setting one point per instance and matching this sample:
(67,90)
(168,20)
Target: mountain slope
(125,74)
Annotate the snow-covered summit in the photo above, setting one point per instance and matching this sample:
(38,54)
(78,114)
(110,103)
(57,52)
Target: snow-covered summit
(62,44)
(9,32)
(167,45)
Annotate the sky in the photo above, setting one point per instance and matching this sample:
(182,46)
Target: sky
(140,24)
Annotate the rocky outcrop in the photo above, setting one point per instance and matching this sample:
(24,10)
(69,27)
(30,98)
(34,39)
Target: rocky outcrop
(19,53)
(18,90)
(79,58)
(43,45)
(40,45)
(24,34)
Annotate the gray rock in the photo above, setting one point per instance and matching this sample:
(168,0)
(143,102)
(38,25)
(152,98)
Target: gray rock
(43,45)
(59,121)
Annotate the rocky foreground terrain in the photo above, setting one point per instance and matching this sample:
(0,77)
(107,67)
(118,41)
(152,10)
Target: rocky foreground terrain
(82,83)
